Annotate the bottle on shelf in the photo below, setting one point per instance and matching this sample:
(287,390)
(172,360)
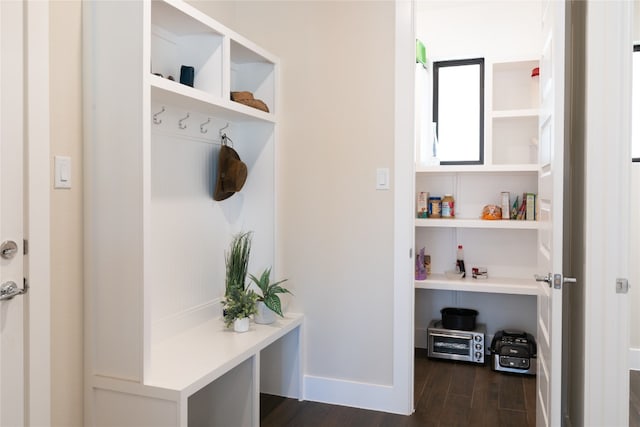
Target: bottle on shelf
(460,261)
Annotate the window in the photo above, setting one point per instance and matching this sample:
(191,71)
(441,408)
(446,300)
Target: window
(458,110)
(635,105)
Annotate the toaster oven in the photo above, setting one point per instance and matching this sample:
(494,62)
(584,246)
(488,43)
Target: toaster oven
(465,346)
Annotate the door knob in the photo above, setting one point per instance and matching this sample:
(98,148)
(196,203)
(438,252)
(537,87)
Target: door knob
(9,290)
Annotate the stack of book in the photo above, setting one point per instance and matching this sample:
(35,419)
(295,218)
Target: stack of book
(526,210)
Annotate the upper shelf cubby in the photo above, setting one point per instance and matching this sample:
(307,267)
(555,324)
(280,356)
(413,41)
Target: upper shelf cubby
(252,70)
(222,60)
(514,87)
(179,39)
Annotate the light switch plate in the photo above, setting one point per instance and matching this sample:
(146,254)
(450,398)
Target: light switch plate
(382,179)
(62,172)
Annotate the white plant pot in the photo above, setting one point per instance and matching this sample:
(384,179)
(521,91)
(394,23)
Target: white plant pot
(241,325)
(264,315)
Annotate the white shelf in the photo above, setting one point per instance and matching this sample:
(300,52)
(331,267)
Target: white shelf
(506,114)
(506,224)
(490,285)
(191,360)
(495,168)
(164,91)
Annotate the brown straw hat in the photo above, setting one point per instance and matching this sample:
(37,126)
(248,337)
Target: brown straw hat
(232,173)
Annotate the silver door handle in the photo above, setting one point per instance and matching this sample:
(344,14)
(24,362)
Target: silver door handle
(569,280)
(548,279)
(9,290)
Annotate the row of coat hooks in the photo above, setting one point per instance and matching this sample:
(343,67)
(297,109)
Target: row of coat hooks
(183,125)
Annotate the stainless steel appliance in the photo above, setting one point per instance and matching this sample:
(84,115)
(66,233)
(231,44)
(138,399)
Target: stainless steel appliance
(466,346)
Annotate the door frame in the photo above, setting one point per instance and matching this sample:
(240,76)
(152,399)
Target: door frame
(607,163)
(605,399)
(403,229)
(37,214)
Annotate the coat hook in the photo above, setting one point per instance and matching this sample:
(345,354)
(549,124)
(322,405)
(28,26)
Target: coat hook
(181,124)
(202,129)
(156,120)
(220,131)
(224,139)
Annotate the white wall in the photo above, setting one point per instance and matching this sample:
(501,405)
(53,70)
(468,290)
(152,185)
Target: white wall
(489,29)
(66,216)
(335,229)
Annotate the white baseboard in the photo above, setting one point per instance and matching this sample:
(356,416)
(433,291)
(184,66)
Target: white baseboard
(634,359)
(374,397)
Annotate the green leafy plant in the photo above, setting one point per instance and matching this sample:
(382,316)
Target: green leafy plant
(239,304)
(270,291)
(236,262)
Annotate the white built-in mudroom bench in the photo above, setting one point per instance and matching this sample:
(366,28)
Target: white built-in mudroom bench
(157,351)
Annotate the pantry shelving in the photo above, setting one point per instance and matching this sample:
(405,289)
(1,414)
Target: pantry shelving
(506,248)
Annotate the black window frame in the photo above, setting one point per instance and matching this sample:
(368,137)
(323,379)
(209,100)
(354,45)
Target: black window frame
(452,63)
(636,48)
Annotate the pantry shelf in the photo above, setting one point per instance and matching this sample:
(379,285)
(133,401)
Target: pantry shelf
(527,112)
(493,168)
(477,223)
(491,285)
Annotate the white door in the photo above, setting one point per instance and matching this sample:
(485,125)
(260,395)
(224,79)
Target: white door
(550,194)
(12,313)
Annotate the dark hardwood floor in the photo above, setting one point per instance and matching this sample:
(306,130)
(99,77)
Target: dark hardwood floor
(634,398)
(446,394)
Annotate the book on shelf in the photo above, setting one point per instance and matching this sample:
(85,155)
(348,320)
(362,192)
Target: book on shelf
(531,207)
(527,209)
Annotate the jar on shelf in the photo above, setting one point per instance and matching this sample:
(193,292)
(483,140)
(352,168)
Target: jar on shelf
(447,209)
(434,207)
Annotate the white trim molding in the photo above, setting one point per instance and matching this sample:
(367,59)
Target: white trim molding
(37,215)
(404,179)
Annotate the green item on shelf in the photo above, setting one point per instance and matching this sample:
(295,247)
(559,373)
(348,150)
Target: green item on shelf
(421,53)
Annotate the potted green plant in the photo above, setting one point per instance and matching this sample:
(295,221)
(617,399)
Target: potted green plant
(238,306)
(268,302)
(236,262)
(239,303)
